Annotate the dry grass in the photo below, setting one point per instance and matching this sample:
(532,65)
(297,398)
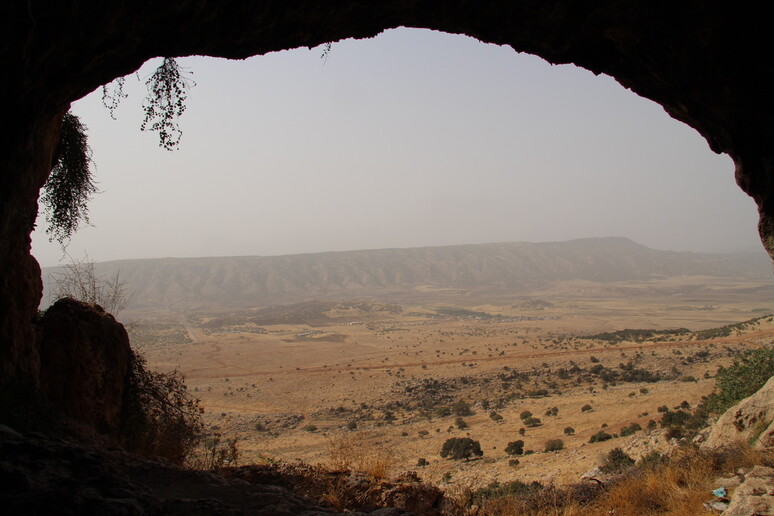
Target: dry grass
(677,487)
(354,452)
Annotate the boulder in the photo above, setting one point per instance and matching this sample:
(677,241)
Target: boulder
(749,420)
(84,363)
(755,496)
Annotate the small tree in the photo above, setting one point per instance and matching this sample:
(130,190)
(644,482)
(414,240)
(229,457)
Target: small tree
(532,422)
(617,460)
(461,408)
(458,448)
(515,447)
(554,445)
(600,437)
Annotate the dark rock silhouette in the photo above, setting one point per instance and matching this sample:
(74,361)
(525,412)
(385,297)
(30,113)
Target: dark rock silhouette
(84,362)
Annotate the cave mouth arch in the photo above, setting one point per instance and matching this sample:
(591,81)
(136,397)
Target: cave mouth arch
(703,63)
(444,118)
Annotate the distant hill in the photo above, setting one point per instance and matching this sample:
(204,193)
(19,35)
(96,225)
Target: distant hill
(517,267)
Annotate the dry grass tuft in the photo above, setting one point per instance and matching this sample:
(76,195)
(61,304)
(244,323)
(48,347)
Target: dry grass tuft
(353,452)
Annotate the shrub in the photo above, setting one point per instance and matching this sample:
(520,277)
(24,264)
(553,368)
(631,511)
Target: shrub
(352,425)
(461,408)
(532,422)
(587,408)
(554,445)
(552,411)
(515,447)
(630,430)
(569,430)
(494,416)
(422,462)
(522,431)
(442,412)
(160,417)
(457,448)
(513,463)
(600,436)
(524,415)
(616,460)
(310,428)
(460,423)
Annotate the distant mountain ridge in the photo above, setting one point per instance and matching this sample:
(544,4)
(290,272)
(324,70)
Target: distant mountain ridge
(245,281)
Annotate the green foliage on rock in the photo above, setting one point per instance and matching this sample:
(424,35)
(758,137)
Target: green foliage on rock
(749,372)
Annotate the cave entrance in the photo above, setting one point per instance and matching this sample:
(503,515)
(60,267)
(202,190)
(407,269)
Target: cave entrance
(411,138)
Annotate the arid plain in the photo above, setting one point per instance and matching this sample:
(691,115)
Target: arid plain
(380,380)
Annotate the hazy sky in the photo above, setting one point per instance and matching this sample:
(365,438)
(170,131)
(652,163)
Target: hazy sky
(413,138)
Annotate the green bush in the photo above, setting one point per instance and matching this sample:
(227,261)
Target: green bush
(569,430)
(461,408)
(615,461)
(515,447)
(630,430)
(600,436)
(458,448)
(532,422)
(587,408)
(554,445)
(524,415)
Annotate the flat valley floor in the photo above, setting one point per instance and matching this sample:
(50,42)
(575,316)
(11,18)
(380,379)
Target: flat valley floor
(379,380)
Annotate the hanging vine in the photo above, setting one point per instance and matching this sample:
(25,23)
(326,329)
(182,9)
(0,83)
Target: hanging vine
(70,185)
(113,94)
(165,103)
